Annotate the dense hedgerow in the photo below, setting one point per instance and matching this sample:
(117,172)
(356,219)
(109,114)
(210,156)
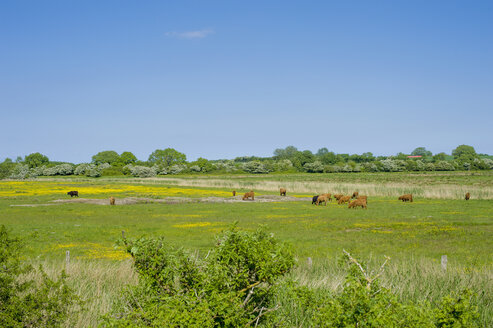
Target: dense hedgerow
(242,282)
(23,303)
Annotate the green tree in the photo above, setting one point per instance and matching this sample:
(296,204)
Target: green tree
(127,158)
(204,164)
(421,151)
(464,152)
(167,157)
(108,156)
(6,167)
(35,160)
(439,157)
(287,153)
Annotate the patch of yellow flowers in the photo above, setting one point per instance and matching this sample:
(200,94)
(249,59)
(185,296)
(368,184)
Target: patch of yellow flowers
(43,188)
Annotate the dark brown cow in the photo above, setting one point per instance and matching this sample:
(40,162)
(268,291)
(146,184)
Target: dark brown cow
(112,200)
(406,198)
(249,194)
(468,195)
(314,199)
(73,193)
(355,194)
(282,191)
(234,193)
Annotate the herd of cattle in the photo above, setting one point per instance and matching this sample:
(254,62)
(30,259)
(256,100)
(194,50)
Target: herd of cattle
(359,200)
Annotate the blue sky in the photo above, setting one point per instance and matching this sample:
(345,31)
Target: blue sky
(220,79)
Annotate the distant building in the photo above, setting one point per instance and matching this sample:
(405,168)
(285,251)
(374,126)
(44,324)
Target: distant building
(414,156)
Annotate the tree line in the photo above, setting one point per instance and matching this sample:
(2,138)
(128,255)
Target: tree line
(287,160)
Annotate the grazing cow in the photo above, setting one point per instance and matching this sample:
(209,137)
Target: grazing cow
(355,195)
(337,196)
(344,199)
(328,196)
(282,191)
(406,198)
(363,197)
(321,199)
(234,193)
(468,195)
(249,194)
(358,202)
(73,193)
(112,200)
(314,199)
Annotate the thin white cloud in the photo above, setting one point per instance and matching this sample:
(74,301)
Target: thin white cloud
(199,34)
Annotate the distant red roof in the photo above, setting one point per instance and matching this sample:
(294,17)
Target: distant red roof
(414,156)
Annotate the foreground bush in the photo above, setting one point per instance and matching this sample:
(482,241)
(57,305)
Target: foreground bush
(24,303)
(230,287)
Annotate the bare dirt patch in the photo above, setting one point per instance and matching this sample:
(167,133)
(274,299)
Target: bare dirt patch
(170,200)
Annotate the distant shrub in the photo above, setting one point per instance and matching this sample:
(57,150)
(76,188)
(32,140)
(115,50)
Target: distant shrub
(283,165)
(444,166)
(141,171)
(20,171)
(429,167)
(177,168)
(112,171)
(226,166)
(315,167)
(195,168)
(393,165)
(255,167)
(82,168)
(488,162)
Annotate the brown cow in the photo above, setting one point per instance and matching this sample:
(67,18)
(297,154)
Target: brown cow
(358,202)
(234,193)
(363,197)
(321,199)
(73,193)
(282,191)
(328,196)
(406,197)
(337,196)
(355,194)
(468,195)
(112,200)
(249,194)
(344,199)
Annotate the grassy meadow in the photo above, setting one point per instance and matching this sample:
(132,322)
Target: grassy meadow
(415,235)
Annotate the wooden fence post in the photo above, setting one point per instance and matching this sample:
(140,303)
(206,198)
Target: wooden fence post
(444,262)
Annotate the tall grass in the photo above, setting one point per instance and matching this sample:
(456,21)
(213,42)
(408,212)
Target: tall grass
(98,283)
(437,191)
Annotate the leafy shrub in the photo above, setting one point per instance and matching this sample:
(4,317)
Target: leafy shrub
(177,168)
(230,287)
(255,167)
(23,302)
(283,165)
(315,167)
(195,168)
(141,171)
(112,171)
(20,171)
(488,162)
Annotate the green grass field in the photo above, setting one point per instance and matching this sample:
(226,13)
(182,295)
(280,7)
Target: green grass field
(415,235)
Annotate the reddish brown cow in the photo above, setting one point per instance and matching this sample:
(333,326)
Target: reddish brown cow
(406,198)
(248,195)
